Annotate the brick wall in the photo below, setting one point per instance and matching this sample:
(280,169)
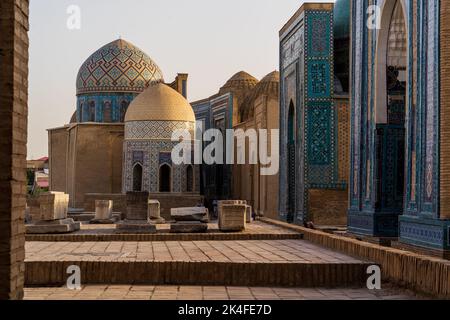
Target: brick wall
(13,139)
(328,207)
(445,110)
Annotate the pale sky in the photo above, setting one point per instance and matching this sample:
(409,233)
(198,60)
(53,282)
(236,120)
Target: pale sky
(209,39)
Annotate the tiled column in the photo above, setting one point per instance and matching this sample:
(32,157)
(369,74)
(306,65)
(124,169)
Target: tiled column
(445,111)
(13,139)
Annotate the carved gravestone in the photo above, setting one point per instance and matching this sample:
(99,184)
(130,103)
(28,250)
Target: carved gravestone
(232,217)
(154,212)
(221,203)
(104,212)
(52,218)
(137,218)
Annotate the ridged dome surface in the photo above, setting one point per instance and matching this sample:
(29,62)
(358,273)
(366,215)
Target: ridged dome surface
(118,66)
(160,103)
(269,86)
(240,81)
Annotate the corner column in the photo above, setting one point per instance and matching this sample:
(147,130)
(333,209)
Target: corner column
(13,140)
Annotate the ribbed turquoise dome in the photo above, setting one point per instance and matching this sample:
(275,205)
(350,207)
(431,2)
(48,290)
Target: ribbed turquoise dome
(342,19)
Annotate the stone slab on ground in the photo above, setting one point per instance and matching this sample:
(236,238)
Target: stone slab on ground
(190,214)
(135,226)
(55,226)
(89,216)
(188,227)
(112,220)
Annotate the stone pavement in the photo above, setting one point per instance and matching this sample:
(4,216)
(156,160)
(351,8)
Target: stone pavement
(261,251)
(136,292)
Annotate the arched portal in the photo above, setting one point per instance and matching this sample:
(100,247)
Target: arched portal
(165,178)
(137,178)
(390,110)
(107,112)
(291,162)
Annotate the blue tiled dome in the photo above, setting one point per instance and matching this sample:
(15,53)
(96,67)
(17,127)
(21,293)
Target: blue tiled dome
(118,66)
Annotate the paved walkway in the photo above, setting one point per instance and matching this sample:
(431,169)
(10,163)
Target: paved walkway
(127,292)
(259,251)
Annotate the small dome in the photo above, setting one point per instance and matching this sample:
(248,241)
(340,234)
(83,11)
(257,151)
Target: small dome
(118,66)
(241,80)
(341,19)
(269,86)
(160,103)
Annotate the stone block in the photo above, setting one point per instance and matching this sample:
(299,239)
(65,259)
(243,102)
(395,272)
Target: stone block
(199,214)
(103,209)
(248,213)
(135,226)
(232,217)
(188,227)
(137,206)
(54,226)
(53,206)
(154,212)
(224,202)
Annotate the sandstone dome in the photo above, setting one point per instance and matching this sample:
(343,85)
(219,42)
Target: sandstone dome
(268,86)
(118,66)
(240,81)
(160,102)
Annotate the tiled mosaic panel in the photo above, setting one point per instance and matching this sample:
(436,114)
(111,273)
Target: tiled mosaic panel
(319,133)
(154,153)
(117,66)
(135,130)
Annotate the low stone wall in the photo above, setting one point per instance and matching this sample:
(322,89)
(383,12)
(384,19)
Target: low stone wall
(118,199)
(424,274)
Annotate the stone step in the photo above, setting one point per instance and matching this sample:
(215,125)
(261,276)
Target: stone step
(225,263)
(211,273)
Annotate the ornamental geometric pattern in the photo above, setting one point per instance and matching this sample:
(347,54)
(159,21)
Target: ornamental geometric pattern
(154,152)
(319,133)
(117,67)
(319,34)
(135,130)
(422,233)
(319,73)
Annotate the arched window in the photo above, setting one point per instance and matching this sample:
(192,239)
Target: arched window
(189,179)
(137,178)
(291,162)
(81,112)
(291,122)
(107,112)
(91,111)
(123,110)
(165,177)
